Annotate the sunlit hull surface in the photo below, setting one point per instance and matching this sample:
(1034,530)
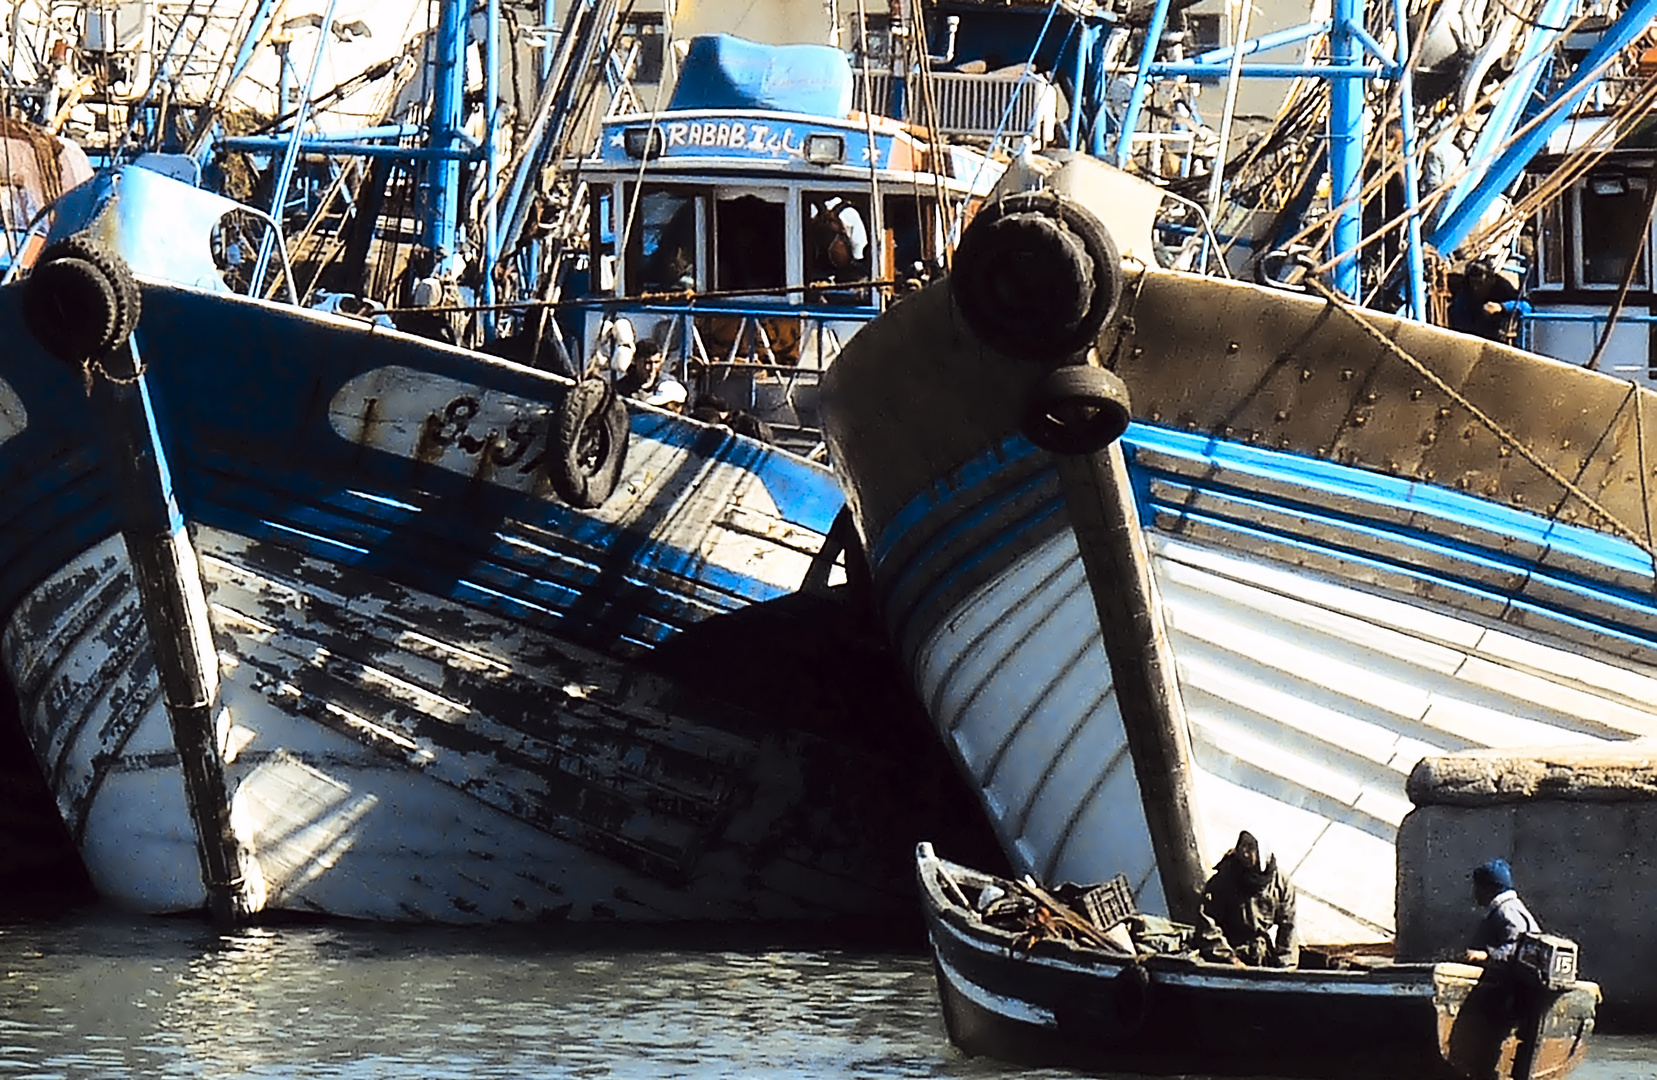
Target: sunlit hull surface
(1349,571)
(428,702)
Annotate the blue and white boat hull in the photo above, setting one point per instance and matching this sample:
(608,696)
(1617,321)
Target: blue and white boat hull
(430,701)
(1348,571)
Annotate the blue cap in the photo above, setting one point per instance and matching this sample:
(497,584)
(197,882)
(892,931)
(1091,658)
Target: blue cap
(1495,873)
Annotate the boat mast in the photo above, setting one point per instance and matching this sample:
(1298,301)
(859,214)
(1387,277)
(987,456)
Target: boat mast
(1488,184)
(1346,141)
(445,140)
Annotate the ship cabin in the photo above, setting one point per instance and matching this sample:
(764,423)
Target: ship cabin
(746,232)
(1591,238)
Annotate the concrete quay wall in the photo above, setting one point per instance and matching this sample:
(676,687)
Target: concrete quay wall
(1579,827)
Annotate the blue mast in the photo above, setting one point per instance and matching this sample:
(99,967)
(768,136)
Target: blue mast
(1346,145)
(441,185)
(1455,226)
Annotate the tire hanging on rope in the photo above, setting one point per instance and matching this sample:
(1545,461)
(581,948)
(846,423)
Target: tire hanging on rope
(1077,409)
(589,447)
(1036,276)
(80,301)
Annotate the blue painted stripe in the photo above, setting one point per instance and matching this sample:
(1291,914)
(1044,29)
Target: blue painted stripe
(1637,605)
(977,512)
(1431,509)
(1394,492)
(504,590)
(993,545)
(806,494)
(418,545)
(1439,581)
(972,474)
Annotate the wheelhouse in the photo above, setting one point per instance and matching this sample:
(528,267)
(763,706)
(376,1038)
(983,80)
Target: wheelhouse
(746,246)
(1593,267)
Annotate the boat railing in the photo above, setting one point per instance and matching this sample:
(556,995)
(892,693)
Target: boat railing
(751,330)
(980,106)
(1643,370)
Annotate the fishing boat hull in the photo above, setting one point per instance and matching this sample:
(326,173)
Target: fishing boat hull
(1349,567)
(433,703)
(1047,1002)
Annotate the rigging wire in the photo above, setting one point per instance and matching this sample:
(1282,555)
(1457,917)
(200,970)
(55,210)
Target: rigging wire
(1504,436)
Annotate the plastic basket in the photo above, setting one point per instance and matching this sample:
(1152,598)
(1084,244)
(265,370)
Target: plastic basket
(1108,904)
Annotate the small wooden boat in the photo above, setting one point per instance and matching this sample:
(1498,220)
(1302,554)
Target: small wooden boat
(1053,987)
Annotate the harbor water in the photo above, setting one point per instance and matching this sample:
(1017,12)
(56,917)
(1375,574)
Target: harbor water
(109,996)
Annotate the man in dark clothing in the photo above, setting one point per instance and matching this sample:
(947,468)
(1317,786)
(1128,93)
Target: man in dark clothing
(1505,915)
(1486,304)
(1247,896)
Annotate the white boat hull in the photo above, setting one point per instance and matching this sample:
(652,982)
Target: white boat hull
(393,755)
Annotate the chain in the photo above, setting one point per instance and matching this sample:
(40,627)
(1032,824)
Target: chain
(92,363)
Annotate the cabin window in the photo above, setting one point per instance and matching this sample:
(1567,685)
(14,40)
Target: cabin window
(1551,232)
(913,239)
(872,38)
(1611,217)
(750,245)
(644,41)
(601,226)
(664,242)
(837,245)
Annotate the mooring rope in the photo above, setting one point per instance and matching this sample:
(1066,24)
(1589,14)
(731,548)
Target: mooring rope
(1507,438)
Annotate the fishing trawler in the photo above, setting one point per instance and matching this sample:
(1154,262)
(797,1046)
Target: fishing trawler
(1349,554)
(1362,536)
(346,620)
(760,229)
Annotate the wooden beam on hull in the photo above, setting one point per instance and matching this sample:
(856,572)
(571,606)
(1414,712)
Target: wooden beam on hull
(1102,513)
(175,610)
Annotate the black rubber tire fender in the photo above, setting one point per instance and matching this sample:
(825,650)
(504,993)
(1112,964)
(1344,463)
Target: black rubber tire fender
(1114,1012)
(80,301)
(1078,409)
(1036,276)
(589,448)
(1131,999)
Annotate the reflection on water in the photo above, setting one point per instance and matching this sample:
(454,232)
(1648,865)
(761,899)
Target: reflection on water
(111,997)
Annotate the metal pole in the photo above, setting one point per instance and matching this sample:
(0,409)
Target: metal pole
(284,173)
(1415,273)
(1084,47)
(1141,83)
(1510,103)
(1346,149)
(442,194)
(1099,497)
(1263,43)
(491,148)
(1216,176)
(1453,227)
(175,612)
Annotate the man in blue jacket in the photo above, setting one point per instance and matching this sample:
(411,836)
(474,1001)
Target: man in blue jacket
(1505,915)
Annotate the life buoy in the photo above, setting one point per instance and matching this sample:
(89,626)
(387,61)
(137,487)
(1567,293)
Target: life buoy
(1036,276)
(1077,409)
(80,301)
(589,444)
(613,351)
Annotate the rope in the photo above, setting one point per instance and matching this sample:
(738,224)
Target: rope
(1506,437)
